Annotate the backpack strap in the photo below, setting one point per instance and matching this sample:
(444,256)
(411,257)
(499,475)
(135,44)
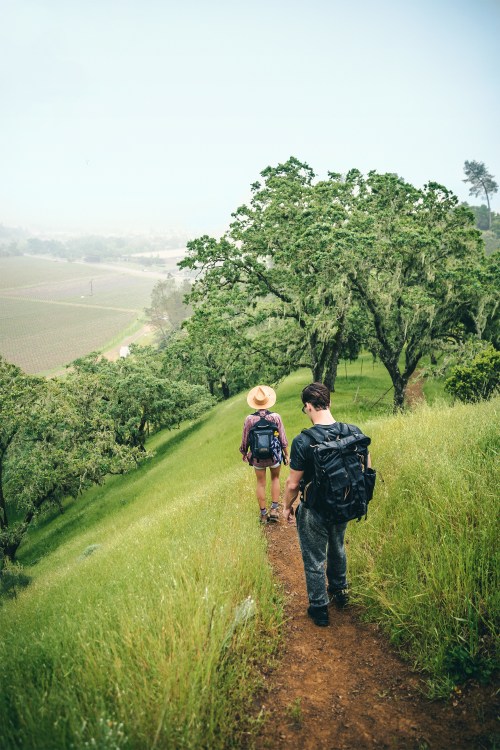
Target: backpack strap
(318,435)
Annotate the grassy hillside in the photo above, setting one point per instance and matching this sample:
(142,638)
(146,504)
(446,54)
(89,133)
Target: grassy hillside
(426,565)
(137,616)
(151,601)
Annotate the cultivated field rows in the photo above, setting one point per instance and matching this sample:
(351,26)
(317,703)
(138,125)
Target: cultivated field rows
(53,312)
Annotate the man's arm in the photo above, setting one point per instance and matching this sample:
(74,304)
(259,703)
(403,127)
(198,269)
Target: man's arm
(292,486)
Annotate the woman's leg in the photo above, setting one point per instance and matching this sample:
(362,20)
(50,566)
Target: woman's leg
(260,475)
(275,484)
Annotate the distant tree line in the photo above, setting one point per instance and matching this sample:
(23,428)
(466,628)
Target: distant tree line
(14,242)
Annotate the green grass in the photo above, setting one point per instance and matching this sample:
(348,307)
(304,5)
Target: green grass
(435,393)
(133,623)
(426,564)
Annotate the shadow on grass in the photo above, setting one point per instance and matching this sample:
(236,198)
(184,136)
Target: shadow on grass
(11,581)
(55,528)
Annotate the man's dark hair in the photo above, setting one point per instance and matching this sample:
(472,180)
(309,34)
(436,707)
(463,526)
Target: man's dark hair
(318,395)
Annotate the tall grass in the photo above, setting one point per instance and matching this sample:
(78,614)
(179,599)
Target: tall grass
(142,628)
(426,564)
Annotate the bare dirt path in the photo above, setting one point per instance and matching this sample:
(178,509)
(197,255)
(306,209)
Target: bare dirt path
(113,353)
(415,389)
(343,687)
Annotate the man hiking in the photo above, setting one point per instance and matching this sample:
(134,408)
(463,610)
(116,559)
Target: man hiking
(321,536)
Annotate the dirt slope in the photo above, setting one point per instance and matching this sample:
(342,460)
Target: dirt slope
(343,688)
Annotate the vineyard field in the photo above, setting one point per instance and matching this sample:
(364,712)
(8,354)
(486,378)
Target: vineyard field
(39,337)
(53,312)
(23,271)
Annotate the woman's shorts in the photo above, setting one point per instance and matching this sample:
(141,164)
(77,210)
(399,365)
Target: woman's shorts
(263,468)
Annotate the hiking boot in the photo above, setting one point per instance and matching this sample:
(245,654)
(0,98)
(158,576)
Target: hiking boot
(319,615)
(274,515)
(340,598)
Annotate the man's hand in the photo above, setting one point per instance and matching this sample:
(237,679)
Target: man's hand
(289,514)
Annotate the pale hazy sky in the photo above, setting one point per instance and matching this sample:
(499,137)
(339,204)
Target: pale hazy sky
(154,115)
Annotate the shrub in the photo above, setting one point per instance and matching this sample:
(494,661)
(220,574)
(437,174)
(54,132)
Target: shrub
(478,380)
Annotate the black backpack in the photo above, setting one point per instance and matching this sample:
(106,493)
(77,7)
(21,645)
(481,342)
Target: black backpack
(263,439)
(343,484)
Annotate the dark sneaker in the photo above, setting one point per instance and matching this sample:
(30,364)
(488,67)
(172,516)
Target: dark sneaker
(339,598)
(319,615)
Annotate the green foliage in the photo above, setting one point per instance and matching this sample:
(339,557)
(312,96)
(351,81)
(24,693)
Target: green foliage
(276,266)
(139,397)
(168,308)
(55,442)
(462,665)
(345,262)
(478,380)
(482,216)
(216,348)
(59,436)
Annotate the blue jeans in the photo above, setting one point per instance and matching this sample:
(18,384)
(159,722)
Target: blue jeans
(320,543)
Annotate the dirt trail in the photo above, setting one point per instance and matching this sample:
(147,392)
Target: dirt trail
(114,353)
(343,688)
(415,389)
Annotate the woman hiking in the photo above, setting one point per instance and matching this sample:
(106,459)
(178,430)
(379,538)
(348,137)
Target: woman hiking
(264,446)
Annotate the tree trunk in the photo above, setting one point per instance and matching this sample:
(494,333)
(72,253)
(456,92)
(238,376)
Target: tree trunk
(489,209)
(317,349)
(330,372)
(399,394)
(12,540)
(4,521)
(140,441)
(326,355)
(225,387)
(332,362)
(399,383)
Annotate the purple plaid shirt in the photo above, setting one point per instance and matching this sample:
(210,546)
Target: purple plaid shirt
(249,423)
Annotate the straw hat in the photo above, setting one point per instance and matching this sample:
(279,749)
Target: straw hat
(261,397)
